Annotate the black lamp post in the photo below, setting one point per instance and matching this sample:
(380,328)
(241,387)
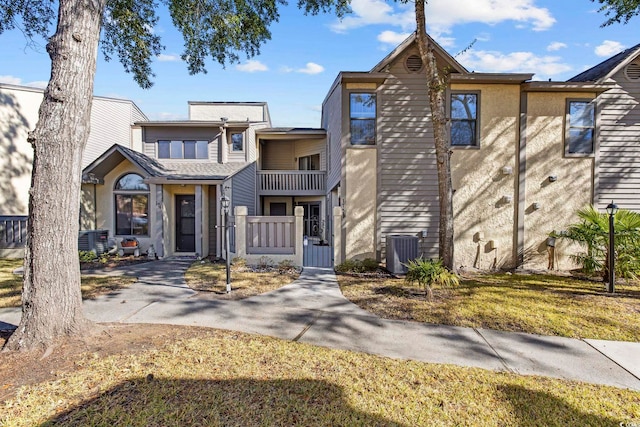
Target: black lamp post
(611,210)
(225,202)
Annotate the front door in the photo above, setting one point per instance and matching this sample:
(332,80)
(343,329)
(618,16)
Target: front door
(185,223)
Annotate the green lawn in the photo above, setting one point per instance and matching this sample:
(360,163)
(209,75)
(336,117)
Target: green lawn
(220,378)
(92,286)
(542,304)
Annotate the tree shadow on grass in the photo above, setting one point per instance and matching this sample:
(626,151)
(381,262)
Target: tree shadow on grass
(242,402)
(537,408)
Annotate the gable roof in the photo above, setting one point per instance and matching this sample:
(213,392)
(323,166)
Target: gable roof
(157,171)
(407,43)
(609,67)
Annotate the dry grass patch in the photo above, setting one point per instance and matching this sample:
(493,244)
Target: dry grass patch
(210,279)
(92,286)
(541,304)
(206,377)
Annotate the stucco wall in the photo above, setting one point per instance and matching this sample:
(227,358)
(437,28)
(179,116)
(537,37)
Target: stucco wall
(558,201)
(481,214)
(360,206)
(18,115)
(232,111)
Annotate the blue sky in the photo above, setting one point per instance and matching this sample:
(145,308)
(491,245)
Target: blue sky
(555,39)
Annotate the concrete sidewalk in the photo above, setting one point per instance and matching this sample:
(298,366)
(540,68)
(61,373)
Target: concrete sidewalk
(313,310)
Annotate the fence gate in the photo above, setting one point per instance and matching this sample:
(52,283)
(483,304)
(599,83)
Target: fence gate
(316,254)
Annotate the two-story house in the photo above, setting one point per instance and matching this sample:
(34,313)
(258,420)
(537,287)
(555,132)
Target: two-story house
(526,155)
(168,193)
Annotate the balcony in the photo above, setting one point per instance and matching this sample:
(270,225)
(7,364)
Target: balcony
(292,183)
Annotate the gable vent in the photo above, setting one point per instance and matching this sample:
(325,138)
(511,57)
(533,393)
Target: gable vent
(414,63)
(633,71)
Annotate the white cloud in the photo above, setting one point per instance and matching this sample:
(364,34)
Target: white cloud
(609,48)
(41,84)
(392,37)
(553,46)
(311,68)
(444,14)
(515,62)
(252,66)
(168,58)
(13,80)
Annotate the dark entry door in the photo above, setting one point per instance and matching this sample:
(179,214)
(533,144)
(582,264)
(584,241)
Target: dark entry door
(185,223)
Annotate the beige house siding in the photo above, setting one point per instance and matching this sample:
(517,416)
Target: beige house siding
(557,201)
(619,154)
(310,147)
(111,121)
(408,185)
(360,220)
(481,212)
(233,111)
(278,155)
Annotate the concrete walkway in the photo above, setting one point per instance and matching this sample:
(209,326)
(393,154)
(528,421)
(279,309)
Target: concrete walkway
(313,310)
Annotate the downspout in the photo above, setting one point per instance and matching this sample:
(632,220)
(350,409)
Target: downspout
(521,158)
(95,207)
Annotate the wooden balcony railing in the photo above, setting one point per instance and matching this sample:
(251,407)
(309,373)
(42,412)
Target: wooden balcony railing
(292,183)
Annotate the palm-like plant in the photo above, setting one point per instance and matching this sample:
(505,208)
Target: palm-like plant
(592,232)
(428,272)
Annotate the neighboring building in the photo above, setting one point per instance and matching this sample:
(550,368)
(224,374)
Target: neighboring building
(111,121)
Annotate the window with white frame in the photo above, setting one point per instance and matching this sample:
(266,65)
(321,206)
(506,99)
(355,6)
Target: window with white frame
(464,119)
(188,149)
(579,139)
(237,142)
(362,115)
(131,196)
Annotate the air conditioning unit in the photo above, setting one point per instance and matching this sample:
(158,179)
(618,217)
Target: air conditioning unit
(94,240)
(400,249)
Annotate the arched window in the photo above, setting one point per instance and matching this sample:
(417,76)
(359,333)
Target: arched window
(132,206)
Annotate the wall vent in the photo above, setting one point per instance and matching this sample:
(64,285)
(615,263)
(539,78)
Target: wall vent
(413,63)
(633,71)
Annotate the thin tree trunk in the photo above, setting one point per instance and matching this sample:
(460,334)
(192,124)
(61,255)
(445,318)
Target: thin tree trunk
(51,298)
(436,86)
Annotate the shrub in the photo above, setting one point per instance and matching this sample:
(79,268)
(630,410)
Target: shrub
(428,272)
(285,266)
(87,256)
(358,266)
(592,233)
(239,262)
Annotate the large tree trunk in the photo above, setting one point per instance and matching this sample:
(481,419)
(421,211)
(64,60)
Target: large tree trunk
(51,299)
(436,86)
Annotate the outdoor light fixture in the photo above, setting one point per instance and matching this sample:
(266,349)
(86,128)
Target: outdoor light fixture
(612,208)
(225,202)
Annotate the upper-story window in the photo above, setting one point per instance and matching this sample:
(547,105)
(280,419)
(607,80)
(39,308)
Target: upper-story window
(183,149)
(132,206)
(237,142)
(464,119)
(362,114)
(580,127)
